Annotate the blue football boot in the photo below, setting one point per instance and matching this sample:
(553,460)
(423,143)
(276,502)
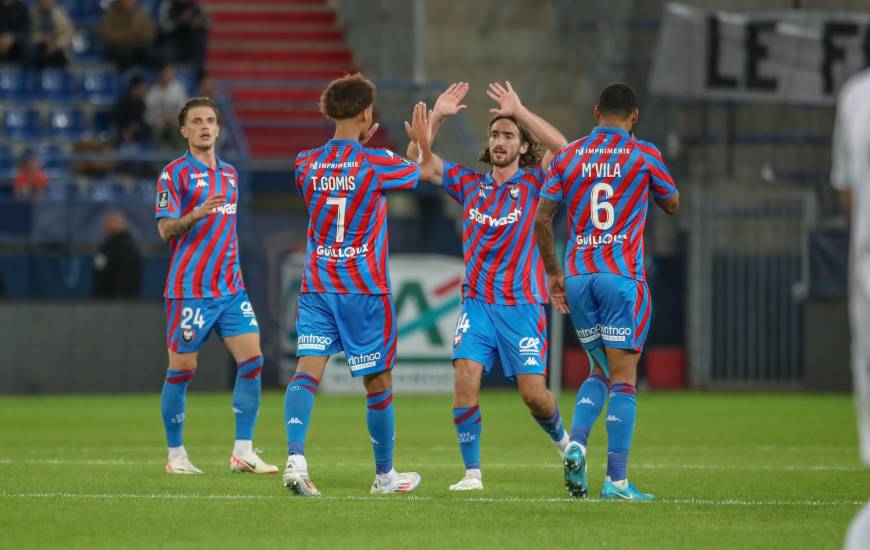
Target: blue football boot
(623,490)
(575,471)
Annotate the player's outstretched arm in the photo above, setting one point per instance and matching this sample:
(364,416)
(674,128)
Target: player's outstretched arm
(670,205)
(431,167)
(172,228)
(547,248)
(509,104)
(448,104)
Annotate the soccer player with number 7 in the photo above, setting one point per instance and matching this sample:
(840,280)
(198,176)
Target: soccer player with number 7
(606,178)
(196,203)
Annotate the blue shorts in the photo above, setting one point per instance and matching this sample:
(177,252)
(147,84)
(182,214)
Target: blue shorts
(189,321)
(609,310)
(361,325)
(516,335)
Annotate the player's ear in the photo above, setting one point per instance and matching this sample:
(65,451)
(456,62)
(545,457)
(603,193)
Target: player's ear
(634,116)
(184,131)
(597,112)
(524,148)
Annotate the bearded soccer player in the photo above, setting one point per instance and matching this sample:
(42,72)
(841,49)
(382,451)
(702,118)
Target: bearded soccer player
(197,198)
(345,303)
(606,179)
(505,288)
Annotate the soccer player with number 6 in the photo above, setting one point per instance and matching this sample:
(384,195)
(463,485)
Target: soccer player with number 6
(195,208)
(606,178)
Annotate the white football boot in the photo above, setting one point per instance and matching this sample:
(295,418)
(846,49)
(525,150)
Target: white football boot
(296,477)
(181,465)
(470,482)
(395,482)
(250,463)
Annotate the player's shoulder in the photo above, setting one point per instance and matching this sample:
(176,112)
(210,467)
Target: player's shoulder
(648,149)
(227,167)
(305,156)
(382,155)
(171,170)
(856,88)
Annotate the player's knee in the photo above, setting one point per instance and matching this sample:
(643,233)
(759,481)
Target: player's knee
(378,382)
(182,362)
(534,397)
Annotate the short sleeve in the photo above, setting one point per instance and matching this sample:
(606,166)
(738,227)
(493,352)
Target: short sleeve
(841,153)
(661,181)
(553,188)
(167,203)
(458,181)
(393,171)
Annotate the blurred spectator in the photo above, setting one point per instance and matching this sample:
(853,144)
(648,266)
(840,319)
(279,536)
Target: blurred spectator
(128,35)
(165,98)
(184,31)
(14,31)
(129,114)
(52,34)
(117,265)
(30,181)
(206,87)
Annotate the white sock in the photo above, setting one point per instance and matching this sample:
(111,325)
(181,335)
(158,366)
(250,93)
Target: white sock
(387,476)
(298,461)
(474,473)
(562,444)
(243,447)
(177,452)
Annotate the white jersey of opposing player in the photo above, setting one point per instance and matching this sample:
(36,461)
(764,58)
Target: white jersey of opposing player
(851,171)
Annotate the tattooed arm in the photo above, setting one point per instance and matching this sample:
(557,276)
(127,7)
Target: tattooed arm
(546,246)
(173,228)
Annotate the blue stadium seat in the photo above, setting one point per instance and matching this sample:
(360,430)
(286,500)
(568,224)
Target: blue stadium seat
(86,46)
(101,86)
(13,83)
(21,123)
(102,124)
(53,157)
(87,11)
(54,84)
(7,163)
(66,123)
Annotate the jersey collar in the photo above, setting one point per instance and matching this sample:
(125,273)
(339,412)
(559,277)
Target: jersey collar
(201,166)
(489,180)
(338,142)
(611,131)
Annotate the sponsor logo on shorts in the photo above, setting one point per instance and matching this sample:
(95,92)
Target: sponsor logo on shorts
(313,341)
(365,361)
(608,333)
(247,309)
(530,346)
(188,335)
(531,362)
(457,339)
(163,199)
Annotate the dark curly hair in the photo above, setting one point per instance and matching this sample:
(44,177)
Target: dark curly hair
(346,97)
(533,155)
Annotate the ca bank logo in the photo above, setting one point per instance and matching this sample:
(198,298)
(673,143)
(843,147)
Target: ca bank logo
(530,346)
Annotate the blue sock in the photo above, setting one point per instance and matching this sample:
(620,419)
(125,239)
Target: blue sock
(468,425)
(298,403)
(172,404)
(552,425)
(620,427)
(590,402)
(381,423)
(246,397)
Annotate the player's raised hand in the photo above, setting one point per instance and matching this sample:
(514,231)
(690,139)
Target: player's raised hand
(371,132)
(418,129)
(449,102)
(508,100)
(558,298)
(209,206)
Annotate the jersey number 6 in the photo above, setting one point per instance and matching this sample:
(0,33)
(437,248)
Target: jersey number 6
(597,206)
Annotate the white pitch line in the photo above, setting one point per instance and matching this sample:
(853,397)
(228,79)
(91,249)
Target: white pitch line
(515,465)
(412,498)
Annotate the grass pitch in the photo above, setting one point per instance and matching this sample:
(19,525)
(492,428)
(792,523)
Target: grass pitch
(729,471)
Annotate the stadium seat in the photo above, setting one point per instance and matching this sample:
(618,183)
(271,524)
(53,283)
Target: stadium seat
(7,163)
(85,47)
(102,125)
(54,84)
(66,123)
(100,86)
(21,123)
(13,83)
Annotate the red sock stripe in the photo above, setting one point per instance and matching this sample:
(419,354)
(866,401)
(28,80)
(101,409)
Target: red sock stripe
(247,362)
(602,378)
(466,415)
(624,388)
(377,394)
(303,376)
(253,374)
(181,377)
(381,405)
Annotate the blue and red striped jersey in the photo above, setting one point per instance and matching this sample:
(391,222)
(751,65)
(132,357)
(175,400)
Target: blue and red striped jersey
(204,261)
(343,184)
(606,178)
(502,263)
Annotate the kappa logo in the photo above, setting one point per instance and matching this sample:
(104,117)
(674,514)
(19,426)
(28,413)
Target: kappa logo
(531,362)
(165,176)
(481,194)
(188,335)
(514,192)
(201,183)
(530,346)
(586,401)
(612,418)
(237,410)
(294,420)
(163,199)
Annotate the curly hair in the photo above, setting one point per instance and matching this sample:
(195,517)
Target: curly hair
(346,97)
(198,102)
(533,155)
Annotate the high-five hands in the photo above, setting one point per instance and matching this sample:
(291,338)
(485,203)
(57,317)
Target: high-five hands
(508,101)
(449,102)
(418,129)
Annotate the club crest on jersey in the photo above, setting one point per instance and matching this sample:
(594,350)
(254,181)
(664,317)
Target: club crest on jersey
(232,181)
(514,192)
(188,335)
(163,199)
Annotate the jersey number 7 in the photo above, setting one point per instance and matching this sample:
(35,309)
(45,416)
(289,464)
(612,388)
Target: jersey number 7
(341,203)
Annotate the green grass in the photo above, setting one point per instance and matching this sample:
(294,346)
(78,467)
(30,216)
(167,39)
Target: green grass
(730,471)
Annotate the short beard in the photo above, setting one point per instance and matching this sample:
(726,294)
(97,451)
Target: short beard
(503,164)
